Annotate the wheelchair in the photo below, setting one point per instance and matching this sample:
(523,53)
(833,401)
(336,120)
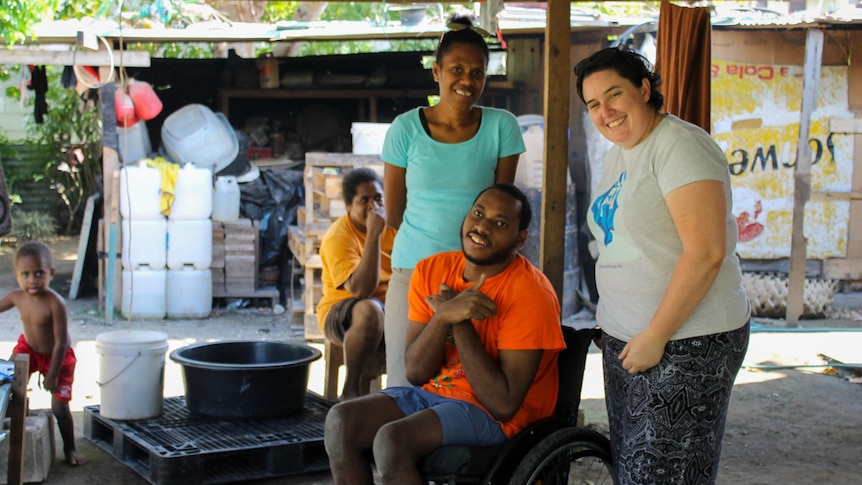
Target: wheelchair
(551,451)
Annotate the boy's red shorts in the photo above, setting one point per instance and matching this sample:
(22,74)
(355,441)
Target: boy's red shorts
(42,363)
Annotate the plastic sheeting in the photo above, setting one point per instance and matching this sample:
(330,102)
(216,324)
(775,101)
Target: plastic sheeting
(272,199)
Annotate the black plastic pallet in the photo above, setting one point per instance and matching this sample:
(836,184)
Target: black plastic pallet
(180,447)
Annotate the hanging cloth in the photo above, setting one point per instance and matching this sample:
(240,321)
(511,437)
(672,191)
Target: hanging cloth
(169,171)
(68,79)
(39,86)
(683,60)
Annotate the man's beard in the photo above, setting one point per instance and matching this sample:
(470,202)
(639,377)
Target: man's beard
(495,257)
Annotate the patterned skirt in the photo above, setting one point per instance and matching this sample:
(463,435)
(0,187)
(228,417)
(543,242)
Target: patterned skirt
(667,423)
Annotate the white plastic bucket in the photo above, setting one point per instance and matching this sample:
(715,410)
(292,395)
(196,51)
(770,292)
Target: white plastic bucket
(144,294)
(144,243)
(531,163)
(134,142)
(194,134)
(140,191)
(190,293)
(226,199)
(190,243)
(131,373)
(368,137)
(193,194)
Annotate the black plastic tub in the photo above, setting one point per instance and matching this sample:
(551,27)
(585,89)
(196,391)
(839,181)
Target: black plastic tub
(245,379)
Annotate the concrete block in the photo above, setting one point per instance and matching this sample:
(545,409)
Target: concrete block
(39,451)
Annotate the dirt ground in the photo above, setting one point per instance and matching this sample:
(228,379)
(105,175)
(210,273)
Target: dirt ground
(793,420)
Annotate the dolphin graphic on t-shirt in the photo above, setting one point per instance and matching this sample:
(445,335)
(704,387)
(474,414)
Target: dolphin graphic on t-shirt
(605,208)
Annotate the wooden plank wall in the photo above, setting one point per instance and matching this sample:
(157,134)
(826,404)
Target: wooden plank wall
(849,44)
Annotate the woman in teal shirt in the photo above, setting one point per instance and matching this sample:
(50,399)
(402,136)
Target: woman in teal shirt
(437,160)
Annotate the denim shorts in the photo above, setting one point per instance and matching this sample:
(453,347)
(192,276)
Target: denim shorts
(463,423)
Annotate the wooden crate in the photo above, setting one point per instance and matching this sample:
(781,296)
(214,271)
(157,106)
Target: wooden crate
(305,248)
(218,281)
(218,246)
(317,218)
(327,180)
(331,208)
(300,216)
(235,256)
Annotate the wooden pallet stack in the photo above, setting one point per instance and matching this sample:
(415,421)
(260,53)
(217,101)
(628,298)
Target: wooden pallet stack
(323,204)
(235,261)
(218,263)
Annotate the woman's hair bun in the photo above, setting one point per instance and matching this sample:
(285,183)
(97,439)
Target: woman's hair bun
(459,18)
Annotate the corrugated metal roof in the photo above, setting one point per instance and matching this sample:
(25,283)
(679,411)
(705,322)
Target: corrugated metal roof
(65,32)
(752,17)
(512,21)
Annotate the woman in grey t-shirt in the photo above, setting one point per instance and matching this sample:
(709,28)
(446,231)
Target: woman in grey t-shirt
(671,307)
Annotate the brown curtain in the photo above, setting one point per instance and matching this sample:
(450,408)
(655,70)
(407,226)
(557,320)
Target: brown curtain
(683,60)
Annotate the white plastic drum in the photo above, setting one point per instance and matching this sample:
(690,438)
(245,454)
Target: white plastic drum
(145,243)
(144,294)
(193,194)
(190,243)
(140,192)
(131,373)
(226,199)
(190,293)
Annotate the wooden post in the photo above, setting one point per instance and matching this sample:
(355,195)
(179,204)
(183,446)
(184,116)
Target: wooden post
(557,76)
(83,243)
(18,420)
(113,217)
(802,177)
(110,194)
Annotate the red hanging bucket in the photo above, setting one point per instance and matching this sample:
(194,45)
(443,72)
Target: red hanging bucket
(124,108)
(147,104)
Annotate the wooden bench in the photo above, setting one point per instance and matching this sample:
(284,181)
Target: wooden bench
(333,355)
(13,398)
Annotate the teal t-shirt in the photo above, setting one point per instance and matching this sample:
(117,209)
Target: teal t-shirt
(443,179)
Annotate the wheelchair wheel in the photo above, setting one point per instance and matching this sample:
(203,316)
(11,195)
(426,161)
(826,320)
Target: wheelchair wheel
(568,456)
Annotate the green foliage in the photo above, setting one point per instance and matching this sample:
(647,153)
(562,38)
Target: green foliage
(622,9)
(373,12)
(79,9)
(6,72)
(6,150)
(32,226)
(174,50)
(67,148)
(17,18)
(353,11)
(276,11)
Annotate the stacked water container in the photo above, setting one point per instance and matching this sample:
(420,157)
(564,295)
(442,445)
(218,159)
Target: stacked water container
(189,245)
(144,251)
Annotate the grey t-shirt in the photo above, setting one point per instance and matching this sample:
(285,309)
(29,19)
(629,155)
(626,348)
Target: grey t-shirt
(638,242)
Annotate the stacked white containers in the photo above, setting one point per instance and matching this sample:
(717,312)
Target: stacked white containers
(144,250)
(226,199)
(189,245)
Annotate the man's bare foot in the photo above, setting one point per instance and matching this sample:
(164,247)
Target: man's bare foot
(74,459)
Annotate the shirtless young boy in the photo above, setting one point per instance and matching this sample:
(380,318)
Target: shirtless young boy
(46,335)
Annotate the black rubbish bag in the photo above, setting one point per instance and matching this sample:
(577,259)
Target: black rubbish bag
(272,199)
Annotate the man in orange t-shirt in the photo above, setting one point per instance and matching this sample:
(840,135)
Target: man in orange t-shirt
(482,342)
(355,253)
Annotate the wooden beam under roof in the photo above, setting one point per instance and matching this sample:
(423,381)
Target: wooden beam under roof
(41,56)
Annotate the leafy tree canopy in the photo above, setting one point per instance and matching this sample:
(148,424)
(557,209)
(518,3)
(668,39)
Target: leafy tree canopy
(17,18)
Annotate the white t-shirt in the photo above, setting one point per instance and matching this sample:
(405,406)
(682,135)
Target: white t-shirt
(638,242)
